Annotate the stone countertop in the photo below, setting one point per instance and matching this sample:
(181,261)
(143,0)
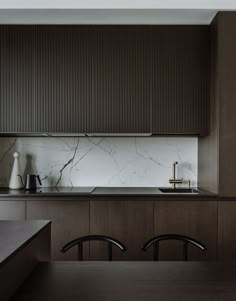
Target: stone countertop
(142,191)
(95,192)
(15,234)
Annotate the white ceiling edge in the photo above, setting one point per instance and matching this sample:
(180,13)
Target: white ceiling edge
(119,4)
(107,16)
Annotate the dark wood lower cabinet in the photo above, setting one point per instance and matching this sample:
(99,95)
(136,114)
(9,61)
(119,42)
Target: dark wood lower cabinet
(70,219)
(197,219)
(12,210)
(227,230)
(131,222)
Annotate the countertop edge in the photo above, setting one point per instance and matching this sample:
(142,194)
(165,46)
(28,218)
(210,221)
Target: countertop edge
(109,197)
(106,192)
(26,242)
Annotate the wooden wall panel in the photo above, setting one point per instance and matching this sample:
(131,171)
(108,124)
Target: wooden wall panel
(217,162)
(226,230)
(180,88)
(208,147)
(227,107)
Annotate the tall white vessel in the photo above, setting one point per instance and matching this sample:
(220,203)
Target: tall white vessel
(15,180)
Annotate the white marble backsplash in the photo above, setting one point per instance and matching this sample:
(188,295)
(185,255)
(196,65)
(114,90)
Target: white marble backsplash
(106,161)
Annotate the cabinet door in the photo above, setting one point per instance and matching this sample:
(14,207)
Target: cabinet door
(75,79)
(70,219)
(118,72)
(17,79)
(42,80)
(197,219)
(131,222)
(12,210)
(227,230)
(180,83)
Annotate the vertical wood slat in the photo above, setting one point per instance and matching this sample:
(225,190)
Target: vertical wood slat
(180,87)
(74,79)
(71,78)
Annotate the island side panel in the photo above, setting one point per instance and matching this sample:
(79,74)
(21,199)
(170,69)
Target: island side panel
(21,264)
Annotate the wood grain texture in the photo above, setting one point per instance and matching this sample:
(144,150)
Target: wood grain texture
(12,210)
(226,230)
(104,79)
(208,147)
(70,219)
(181,77)
(131,222)
(75,79)
(227,95)
(217,162)
(134,281)
(194,219)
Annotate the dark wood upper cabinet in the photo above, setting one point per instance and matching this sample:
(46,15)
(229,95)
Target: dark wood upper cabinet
(75,79)
(104,79)
(180,80)
(120,79)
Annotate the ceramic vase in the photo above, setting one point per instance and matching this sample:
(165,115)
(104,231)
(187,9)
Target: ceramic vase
(16,176)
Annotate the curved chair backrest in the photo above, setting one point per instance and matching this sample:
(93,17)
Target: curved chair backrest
(79,241)
(185,239)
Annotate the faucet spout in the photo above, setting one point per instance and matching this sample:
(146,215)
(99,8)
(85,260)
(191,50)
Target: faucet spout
(175,181)
(174,170)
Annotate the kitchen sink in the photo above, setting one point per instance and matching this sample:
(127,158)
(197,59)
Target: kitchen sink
(178,190)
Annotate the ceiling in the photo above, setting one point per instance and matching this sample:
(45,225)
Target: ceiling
(106,16)
(111,11)
(113,4)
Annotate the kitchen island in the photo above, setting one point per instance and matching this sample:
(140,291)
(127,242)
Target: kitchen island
(22,245)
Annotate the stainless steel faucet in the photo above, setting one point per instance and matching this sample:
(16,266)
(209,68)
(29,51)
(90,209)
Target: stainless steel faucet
(175,181)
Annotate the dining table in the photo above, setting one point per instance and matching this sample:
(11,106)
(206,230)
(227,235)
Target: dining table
(123,280)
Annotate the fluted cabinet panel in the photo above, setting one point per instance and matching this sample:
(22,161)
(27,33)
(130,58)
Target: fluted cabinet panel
(104,79)
(75,79)
(119,76)
(180,80)
(17,97)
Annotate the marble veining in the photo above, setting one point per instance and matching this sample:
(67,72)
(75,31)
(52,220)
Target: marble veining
(101,161)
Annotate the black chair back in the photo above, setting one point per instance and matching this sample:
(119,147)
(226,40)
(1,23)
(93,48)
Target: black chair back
(185,239)
(79,241)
